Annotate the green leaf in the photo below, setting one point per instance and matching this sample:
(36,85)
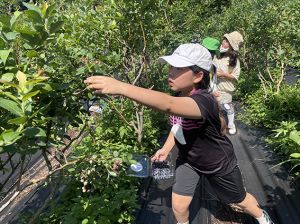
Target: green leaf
(11,106)
(75,124)
(11,96)
(8,137)
(20,120)
(39,28)
(115,153)
(10,148)
(67,137)
(90,96)
(17,14)
(49,10)
(31,54)
(22,79)
(4,55)
(32,81)
(71,170)
(28,95)
(132,161)
(39,111)
(5,20)
(54,27)
(129,156)
(34,131)
(112,173)
(32,7)
(27,31)
(64,86)
(88,2)
(8,76)
(10,36)
(10,84)
(295,137)
(295,155)
(34,16)
(2,43)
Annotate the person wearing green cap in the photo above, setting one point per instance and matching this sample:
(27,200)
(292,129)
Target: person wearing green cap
(212,45)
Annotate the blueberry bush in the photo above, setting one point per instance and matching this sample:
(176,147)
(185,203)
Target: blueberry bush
(47,49)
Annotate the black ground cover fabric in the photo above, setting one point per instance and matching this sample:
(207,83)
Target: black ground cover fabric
(273,188)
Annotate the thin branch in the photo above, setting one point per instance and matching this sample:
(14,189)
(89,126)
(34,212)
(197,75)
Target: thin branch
(189,19)
(117,111)
(144,50)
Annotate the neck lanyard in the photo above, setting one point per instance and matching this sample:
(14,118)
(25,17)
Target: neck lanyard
(191,93)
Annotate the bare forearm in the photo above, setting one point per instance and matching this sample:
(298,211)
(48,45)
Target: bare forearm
(170,143)
(157,100)
(162,102)
(228,76)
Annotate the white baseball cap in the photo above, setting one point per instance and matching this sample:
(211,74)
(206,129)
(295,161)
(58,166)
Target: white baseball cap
(188,55)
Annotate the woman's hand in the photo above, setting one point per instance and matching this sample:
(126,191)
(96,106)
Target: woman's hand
(160,155)
(216,93)
(105,85)
(220,73)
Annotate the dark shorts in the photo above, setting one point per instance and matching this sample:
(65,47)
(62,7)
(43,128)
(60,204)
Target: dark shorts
(229,188)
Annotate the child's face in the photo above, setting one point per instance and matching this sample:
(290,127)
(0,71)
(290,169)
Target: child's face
(225,43)
(181,79)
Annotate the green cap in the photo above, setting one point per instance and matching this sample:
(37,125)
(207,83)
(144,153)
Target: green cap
(211,44)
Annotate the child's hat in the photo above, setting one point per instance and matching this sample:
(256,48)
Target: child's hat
(212,44)
(235,39)
(188,55)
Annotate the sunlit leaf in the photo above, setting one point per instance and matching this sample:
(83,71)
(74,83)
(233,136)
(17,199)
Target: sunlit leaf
(27,31)
(28,95)
(17,14)
(112,173)
(295,155)
(39,79)
(11,96)
(11,106)
(10,84)
(20,120)
(22,79)
(295,137)
(10,36)
(8,76)
(8,137)
(4,55)
(49,11)
(31,54)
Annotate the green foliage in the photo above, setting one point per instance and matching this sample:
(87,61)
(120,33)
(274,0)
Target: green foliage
(288,140)
(99,190)
(280,139)
(47,49)
(271,111)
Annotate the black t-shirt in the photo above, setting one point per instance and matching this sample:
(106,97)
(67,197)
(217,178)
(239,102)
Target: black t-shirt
(205,150)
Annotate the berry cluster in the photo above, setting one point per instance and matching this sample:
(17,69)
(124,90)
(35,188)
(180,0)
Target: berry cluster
(85,183)
(161,170)
(115,166)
